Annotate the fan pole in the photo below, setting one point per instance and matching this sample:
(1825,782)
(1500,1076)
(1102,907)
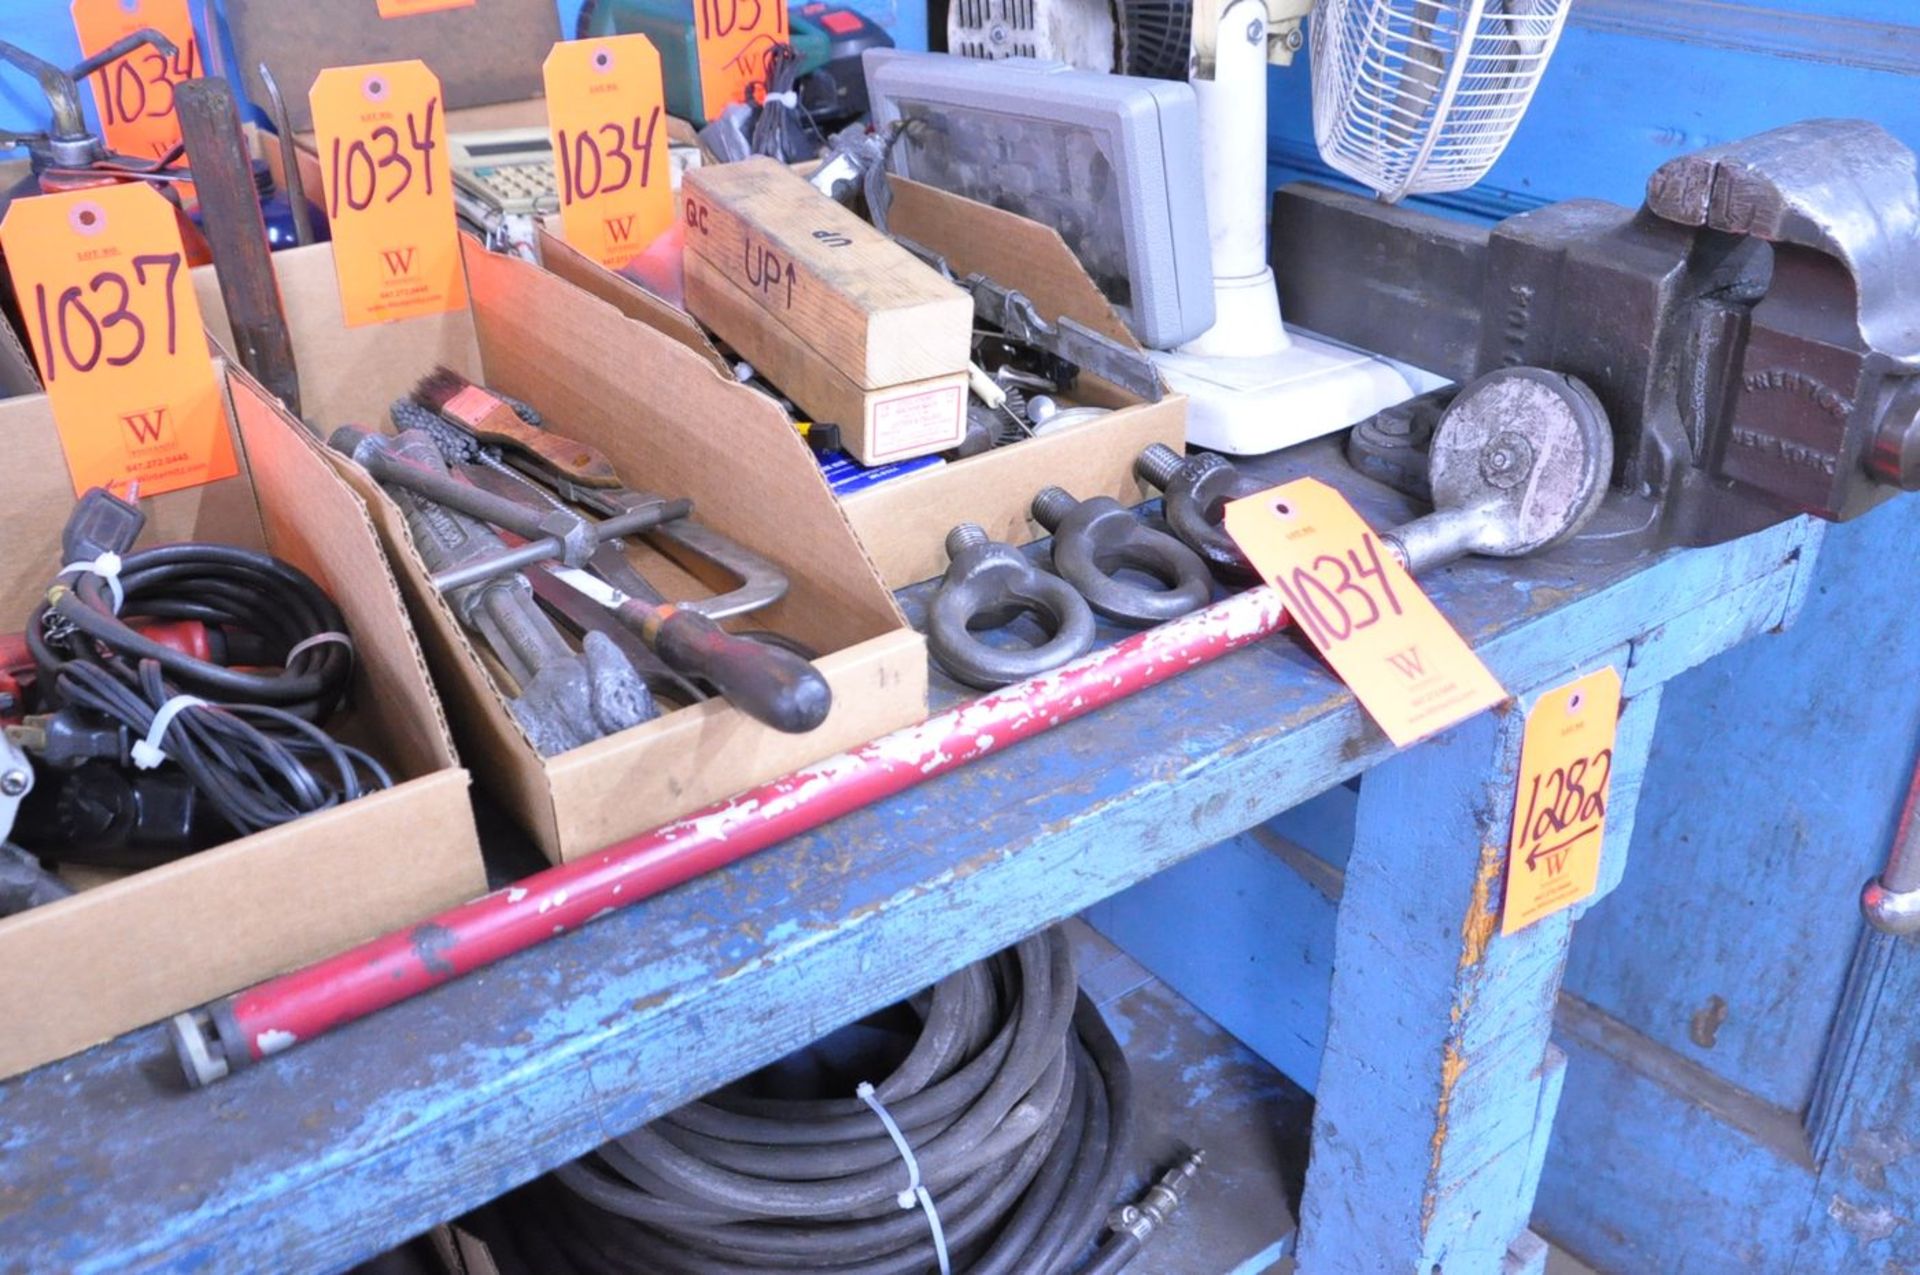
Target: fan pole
(1232,106)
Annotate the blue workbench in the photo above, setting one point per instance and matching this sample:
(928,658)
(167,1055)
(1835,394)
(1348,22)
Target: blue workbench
(1435,1080)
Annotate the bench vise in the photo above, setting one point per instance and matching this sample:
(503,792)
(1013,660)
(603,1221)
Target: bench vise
(1753,330)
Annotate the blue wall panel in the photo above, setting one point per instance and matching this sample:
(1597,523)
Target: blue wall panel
(1614,106)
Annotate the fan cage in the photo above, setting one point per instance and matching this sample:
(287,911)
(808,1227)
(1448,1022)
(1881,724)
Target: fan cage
(1422,96)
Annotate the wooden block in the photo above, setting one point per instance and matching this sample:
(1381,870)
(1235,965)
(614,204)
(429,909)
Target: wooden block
(893,423)
(875,311)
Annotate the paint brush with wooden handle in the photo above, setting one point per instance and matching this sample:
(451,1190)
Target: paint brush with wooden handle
(494,422)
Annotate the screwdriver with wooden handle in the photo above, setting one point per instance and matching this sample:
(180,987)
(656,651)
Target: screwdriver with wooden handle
(767,683)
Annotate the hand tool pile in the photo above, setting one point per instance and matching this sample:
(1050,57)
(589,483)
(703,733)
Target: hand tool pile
(525,533)
(165,700)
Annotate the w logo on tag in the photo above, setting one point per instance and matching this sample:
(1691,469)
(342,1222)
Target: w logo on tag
(149,427)
(1555,859)
(619,229)
(399,261)
(1408,663)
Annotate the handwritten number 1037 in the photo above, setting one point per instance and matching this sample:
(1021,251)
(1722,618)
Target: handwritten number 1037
(86,332)
(378,165)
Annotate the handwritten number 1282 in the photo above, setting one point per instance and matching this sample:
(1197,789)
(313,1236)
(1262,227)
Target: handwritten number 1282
(1575,794)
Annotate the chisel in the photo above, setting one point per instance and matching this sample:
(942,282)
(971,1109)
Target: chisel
(222,169)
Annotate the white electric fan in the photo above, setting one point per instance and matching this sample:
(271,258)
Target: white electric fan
(1409,97)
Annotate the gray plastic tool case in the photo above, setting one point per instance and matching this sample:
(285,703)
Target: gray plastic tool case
(1110,161)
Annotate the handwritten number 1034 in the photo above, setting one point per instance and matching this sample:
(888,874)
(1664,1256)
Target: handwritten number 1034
(76,330)
(1331,598)
(378,165)
(603,160)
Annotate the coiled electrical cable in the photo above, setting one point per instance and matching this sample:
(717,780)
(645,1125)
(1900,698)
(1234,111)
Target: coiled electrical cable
(1012,1094)
(265,607)
(255,750)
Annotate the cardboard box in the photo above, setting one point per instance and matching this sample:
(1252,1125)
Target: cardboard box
(17,374)
(484,51)
(137,948)
(672,423)
(904,522)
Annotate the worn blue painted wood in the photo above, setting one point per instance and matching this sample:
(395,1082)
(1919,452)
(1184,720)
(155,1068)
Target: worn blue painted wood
(1246,930)
(1431,1084)
(352,1142)
(1438,1083)
(1861,1214)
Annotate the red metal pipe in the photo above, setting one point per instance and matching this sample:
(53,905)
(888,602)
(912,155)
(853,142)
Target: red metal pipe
(281,1012)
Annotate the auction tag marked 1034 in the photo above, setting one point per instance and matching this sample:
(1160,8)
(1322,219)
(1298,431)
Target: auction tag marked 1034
(381,133)
(1361,610)
(606,110)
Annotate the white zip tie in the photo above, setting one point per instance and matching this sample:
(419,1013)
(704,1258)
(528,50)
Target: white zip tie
(107,567)
(147,753)
(321,639)
(790,99)
(915,1194)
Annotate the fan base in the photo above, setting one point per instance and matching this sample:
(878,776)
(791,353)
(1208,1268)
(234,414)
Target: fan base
(1246,406)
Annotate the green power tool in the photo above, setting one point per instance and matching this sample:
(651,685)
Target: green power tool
(828,39)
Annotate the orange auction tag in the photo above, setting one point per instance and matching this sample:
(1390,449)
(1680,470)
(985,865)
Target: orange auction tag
(111,314)
(607,112)
(1361,609)
(381,131)
(407,8)
(1560,808)
(135,92)
(733,38)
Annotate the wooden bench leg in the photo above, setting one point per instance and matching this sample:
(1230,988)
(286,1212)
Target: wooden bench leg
(1438,1083)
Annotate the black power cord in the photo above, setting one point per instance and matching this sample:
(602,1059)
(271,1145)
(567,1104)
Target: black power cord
(255,751)
(1010,1090)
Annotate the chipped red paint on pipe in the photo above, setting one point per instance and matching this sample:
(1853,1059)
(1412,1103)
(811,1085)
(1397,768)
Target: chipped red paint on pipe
(301,1005)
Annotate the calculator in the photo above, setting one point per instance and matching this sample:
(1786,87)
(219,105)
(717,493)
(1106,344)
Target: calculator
(511,168)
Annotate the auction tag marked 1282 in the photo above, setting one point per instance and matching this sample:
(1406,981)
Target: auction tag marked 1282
(381,131)
(111,315)
(1361,610)
(1560,808)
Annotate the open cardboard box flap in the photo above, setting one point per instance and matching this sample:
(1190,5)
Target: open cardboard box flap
(139,947)
(903,522)
(672,422)
(1012,250)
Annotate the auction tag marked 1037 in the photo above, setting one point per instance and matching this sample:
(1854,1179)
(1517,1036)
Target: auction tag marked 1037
(1560,807)
(112,318)
(381,132)
(1361,610)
